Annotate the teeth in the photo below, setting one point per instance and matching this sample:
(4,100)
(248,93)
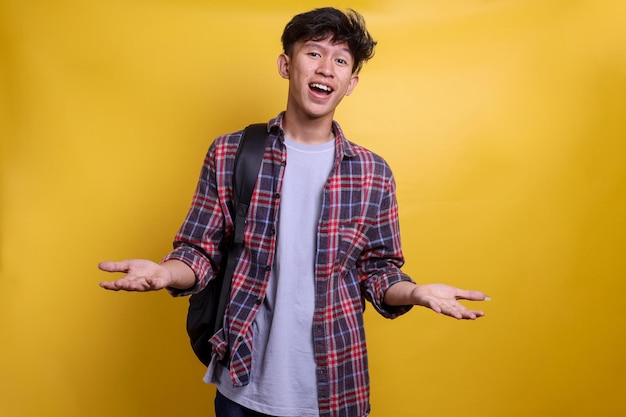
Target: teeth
(322,87)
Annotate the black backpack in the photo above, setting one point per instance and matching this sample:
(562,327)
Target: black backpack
(205,314)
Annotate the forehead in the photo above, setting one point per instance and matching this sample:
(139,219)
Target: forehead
(328,44)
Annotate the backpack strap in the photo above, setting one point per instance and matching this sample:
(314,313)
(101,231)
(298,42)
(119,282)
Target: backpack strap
(247,164)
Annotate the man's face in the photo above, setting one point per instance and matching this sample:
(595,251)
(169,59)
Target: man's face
(320,76)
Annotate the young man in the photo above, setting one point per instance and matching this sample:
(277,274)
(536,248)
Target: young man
(321,236)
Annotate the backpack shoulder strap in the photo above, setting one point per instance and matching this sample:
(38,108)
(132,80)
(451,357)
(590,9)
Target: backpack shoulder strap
(247,164)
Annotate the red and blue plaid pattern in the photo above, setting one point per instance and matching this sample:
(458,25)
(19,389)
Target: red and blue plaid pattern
(358,257)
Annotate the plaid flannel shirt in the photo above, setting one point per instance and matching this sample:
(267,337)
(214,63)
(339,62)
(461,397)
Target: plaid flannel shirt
(358,257)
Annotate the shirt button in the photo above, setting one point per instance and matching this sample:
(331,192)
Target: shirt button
(258,302)
(283,163)
(277,195)
(240,338)
(268,268)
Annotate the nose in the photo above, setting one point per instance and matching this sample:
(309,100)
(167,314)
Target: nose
(325,67)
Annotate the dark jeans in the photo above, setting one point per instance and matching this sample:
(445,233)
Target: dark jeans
(227,408)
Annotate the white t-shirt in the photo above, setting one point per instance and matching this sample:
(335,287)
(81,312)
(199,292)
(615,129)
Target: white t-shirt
(283,378)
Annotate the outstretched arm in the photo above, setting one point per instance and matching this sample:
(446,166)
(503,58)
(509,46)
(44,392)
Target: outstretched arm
(440,298)
(143,275)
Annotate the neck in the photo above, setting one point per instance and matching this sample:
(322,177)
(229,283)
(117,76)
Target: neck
(307,130)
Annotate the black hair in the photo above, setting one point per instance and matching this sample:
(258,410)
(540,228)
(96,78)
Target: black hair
(319,24)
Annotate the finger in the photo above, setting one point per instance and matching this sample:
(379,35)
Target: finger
(471,295)
(479,313)
(455,314)
(127,285)
(469,315)
(109,285)
(153,284)
(452,312)
(110,266)
(460,312)
(435,307)
(157,283)
(472,314)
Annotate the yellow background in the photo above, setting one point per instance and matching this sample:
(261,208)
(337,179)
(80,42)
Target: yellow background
(503,121)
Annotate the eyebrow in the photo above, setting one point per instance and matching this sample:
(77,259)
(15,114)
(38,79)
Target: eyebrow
(313,43)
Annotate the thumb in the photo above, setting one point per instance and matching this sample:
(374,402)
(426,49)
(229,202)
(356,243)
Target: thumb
(472,295)
(111,266)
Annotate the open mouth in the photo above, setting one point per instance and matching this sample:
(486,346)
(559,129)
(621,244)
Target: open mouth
(321,88)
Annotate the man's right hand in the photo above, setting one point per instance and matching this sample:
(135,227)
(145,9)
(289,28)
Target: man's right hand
(141,275)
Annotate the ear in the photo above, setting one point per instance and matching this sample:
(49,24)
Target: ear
(353,83)
(283,65)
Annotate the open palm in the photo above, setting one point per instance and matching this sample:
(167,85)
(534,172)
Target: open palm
(444,299)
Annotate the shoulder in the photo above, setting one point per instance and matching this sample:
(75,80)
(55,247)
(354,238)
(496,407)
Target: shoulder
(227,142)
(223,150)
(367,160)
(359,156)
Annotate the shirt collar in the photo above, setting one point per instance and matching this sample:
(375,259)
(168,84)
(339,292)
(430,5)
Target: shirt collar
(343,146)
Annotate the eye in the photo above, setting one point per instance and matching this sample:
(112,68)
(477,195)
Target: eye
(314,54)
(343,62)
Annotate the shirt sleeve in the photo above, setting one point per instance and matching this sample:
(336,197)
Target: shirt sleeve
(382,259)
(199,239)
